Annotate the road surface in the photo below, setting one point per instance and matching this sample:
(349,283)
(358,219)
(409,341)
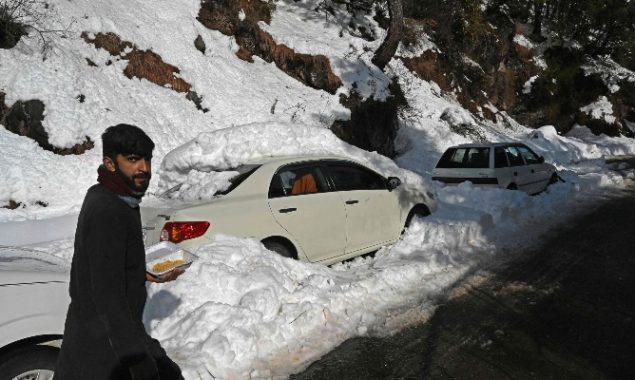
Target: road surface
(564,311)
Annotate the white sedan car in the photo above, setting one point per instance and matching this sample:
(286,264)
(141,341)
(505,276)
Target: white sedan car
(506,165)
(34,298)
(317,209)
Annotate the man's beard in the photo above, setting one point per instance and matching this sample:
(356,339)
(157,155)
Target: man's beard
(130,180)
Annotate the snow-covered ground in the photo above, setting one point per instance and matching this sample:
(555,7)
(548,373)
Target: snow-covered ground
(241,311)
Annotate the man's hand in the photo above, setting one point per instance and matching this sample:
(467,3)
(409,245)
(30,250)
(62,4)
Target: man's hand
(170,276)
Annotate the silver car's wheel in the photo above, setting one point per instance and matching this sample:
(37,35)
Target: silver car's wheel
(36,374)
(32,363)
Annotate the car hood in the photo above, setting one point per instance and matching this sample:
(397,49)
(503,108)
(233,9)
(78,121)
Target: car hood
(31,267)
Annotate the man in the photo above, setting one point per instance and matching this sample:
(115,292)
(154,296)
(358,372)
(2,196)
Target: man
(104,336)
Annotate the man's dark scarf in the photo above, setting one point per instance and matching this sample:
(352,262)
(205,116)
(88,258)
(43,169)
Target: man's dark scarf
(115,182)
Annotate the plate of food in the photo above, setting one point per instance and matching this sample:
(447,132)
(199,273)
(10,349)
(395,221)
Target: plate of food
(164,257)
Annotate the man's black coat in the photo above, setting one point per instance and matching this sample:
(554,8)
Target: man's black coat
(104,336)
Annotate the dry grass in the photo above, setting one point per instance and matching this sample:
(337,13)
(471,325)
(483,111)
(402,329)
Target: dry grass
(223,15)
(427,67)
(109,42)
(141,64)
(150,66)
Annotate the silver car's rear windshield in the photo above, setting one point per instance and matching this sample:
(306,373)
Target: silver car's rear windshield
(468,157)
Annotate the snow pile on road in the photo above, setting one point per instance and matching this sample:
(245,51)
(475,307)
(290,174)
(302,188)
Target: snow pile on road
(241,311)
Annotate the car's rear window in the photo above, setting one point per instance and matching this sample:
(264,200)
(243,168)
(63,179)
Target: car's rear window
(245,171)
(225,182)
(464,158)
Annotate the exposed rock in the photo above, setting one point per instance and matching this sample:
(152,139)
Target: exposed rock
(197,100)
(240,18)
(10,32)
(12,205)
(373,125)
(199,44)
(25,119)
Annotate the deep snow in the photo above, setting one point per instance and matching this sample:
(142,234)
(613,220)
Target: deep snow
(241,311)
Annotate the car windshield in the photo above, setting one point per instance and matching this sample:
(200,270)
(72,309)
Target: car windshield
(468,157)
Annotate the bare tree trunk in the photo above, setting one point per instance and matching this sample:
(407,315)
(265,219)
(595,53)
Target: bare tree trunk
(389,46)
(538,7)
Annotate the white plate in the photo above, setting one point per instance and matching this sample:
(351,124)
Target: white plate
(164,251)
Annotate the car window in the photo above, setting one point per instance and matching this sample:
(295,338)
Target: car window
(297,180)
(529,156)
(352,177)
(475,157)
(500,159)
(515,159)
(245,171)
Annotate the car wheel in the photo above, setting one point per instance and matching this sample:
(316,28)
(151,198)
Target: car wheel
(419,210)
(278,248)
(35,363)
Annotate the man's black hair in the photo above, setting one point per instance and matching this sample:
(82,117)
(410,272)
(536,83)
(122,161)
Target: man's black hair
(126,139)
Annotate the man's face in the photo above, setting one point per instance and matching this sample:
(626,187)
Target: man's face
(135,170)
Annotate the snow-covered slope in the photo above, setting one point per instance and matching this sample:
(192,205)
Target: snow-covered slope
(241,311)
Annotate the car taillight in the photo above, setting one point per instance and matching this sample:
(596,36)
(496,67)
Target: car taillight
(176,232)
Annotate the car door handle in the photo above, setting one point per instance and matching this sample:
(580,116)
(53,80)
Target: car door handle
(287,210)
(352,202)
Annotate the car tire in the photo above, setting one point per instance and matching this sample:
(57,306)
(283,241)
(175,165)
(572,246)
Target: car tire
(418,210)
(37,362)
(279,248)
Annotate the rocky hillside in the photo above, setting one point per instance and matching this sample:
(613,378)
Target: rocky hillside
(488,55)
(535,61)
(464,71)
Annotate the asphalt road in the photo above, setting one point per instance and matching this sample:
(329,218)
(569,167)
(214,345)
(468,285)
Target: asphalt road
(564,311)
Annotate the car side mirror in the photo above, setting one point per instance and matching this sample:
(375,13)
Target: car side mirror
(393,183)
(541,159)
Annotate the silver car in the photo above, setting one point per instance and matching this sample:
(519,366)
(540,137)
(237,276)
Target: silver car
(34,298)
(317,209)
(506,165)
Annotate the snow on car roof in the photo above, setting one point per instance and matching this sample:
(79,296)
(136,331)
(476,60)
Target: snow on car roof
(487,144)
(294,158)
